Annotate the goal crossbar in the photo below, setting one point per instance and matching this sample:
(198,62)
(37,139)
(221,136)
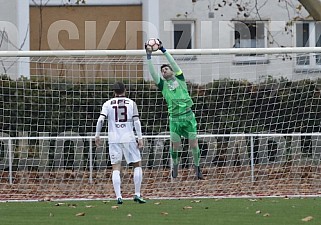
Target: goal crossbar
(225,51)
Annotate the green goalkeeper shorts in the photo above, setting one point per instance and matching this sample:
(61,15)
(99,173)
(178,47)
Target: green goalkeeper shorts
(185,126)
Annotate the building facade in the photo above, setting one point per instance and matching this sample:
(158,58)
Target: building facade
(180,24)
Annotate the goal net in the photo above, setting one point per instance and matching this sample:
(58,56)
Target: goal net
(258,114)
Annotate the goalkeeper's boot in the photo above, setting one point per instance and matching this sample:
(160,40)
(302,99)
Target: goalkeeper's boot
(119,201)
(175,171)
(198,172)
(140,200)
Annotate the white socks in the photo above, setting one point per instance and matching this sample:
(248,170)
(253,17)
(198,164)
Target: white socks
(138,177)
(116,183)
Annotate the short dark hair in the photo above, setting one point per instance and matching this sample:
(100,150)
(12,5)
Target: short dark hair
(119,87)
(166,65)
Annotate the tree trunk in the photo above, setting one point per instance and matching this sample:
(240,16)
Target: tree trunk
(313,7)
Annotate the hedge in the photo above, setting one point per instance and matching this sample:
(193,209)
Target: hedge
(221,106)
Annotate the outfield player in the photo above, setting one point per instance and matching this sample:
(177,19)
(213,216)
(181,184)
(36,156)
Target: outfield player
(182,120)
(122,115)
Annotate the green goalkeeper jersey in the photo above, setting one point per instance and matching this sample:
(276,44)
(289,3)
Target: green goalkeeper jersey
(174,90)
(176,95)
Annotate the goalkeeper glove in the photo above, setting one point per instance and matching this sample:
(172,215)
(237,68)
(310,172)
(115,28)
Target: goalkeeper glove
(148,52)
(161,47)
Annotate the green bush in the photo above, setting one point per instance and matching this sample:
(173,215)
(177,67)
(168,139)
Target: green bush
(224,106)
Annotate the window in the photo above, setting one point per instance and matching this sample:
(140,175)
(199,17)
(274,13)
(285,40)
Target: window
(250,34)
(308,34)
(183,34)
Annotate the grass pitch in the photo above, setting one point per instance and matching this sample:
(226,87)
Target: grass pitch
(184,211)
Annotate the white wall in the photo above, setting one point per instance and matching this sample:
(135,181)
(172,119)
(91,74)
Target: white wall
(14,22)
(186,10)
(217,33)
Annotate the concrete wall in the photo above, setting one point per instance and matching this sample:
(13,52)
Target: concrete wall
(90,2)
(86,27)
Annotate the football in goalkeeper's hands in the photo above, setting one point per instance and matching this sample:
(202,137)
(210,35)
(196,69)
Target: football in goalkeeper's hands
(152,44)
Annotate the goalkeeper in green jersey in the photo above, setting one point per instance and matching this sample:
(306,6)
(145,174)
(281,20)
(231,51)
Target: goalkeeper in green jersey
(182,119)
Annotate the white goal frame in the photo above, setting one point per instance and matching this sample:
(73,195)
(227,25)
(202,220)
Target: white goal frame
(250,173)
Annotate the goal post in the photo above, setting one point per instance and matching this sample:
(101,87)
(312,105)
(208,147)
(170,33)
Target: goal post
(258,114)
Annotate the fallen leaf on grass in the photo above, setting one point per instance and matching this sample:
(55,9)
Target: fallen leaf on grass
(47,199)
(59,204)
(308,218)
(80,214)
(72,205)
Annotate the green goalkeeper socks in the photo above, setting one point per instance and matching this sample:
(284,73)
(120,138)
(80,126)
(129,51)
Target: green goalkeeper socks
(174,155)
(196,156)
